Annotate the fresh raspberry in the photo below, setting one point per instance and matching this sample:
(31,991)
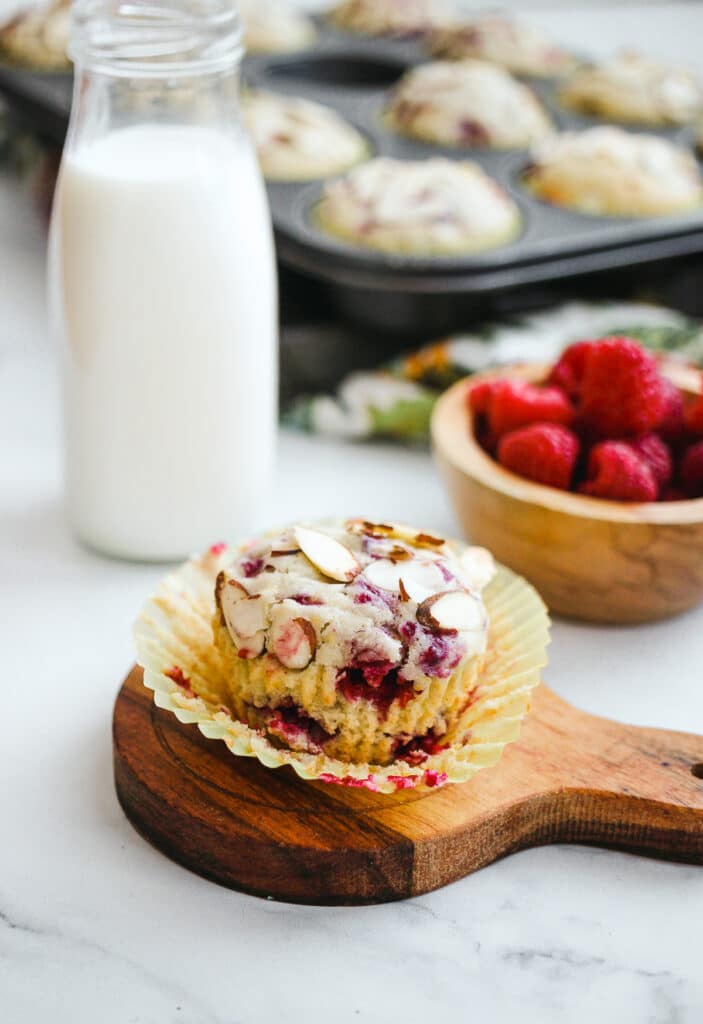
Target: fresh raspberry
(515,403)
(622,393)
(693,417)
(692,471)
(617,472)
(657,456)
(479,396)
(672,427)
(543,452)
(672,494)
(567,373)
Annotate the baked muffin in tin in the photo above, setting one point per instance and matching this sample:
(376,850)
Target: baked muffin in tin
(467,103)
(430,207)
(273,26)
(514,45)
(608,171)
(400,18)
(38,38)
(297,139)
(634,89)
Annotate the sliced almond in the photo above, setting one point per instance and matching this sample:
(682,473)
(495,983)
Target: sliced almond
(283,552)
(294,642)
(478,567)
(251,646)
(384,574)
(426,540)
(222,581)
(404,595)
(452,611)
(332,558)
(399,554)
(245,616)
(363,526)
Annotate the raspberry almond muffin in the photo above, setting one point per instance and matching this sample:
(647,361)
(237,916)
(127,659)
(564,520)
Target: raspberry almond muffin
(403,18)
(608,171)
(271,26)
(297,139)
(38,38)
(634,89)
(512,44)
(421,208)
(467,103)
(364,654)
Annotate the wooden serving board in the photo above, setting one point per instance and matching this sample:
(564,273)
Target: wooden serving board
(572,777)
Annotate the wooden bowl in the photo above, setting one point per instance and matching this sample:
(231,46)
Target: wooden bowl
(603,561)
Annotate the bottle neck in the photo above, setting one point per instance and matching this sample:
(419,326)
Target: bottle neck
(157,39)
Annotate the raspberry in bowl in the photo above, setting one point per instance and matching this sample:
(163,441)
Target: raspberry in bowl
(371,655)
(585,476)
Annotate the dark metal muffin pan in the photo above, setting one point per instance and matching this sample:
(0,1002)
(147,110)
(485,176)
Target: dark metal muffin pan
(405,294)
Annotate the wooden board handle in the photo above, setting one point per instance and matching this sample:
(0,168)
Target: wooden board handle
(615,785)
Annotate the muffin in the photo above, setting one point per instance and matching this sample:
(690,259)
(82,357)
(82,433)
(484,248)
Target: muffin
(38,38)
(360,640)
(298,139)
(363,654)
(271,26)
(419,208)
(518,47)
(610,172)
(404,18)
(467,103)
(636,90)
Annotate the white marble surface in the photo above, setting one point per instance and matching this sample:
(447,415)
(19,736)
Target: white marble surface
(98,928)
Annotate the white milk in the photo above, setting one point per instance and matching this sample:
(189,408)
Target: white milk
(163,275)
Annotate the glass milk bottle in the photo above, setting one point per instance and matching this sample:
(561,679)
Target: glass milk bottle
(162,284)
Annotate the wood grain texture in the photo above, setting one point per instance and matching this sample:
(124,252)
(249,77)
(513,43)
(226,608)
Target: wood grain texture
(603,561)
(572,777)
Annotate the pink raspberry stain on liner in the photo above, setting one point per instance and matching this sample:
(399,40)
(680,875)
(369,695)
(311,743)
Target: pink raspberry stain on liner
(298,730)
(349,780)
(177,675)
(434,779)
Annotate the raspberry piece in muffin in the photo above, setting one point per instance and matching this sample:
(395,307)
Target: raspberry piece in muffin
(693,417)
(543,452)
(618,473)
(387,642)
(622,393)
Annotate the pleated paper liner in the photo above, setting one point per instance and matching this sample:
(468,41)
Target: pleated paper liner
(189,677)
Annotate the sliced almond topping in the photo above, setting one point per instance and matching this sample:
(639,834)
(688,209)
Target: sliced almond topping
(384,574)
(294,642)
(327,554)
(451,612)
(404,595)
(244,615)
(426,540)
(222,582)
(251,646)
(363,526)
(478,567)
(399,554)
(282,552)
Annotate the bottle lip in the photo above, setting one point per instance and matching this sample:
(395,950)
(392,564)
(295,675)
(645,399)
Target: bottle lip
(155,38)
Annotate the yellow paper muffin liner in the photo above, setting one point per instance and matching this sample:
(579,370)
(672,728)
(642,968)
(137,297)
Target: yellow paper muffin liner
(190,678)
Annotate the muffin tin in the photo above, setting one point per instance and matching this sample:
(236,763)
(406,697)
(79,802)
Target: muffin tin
(403,294)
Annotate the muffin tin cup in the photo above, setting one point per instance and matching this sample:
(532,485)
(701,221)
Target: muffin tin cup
(189,676)
(420,295)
